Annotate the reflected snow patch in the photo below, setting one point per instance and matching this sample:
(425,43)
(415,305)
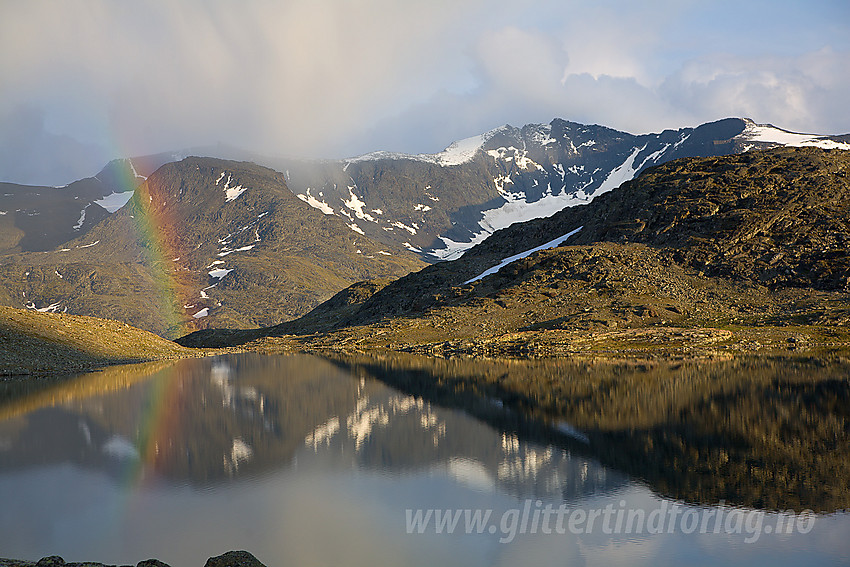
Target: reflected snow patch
(120,448)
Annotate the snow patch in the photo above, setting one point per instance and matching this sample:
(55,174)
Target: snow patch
(560,169)
(233,192)
(500,183)
(518,209)
(520,157)
(355,204)
(653,157)
(315,203)
(120,448)
(219,273)
(681,141)
(766,133)
(227,251)
(202,313)
(513,211)
(204,291)
(82,218)
(620,174)
(404,226)
(52,308)
(463,151)
(374,156)
(551,244)
(133,169)
(569,430)
(543,135)
(457,153)
(230,193)
(114,201)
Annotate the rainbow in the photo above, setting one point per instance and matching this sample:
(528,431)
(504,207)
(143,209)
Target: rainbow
(152,222)
(157,425)
(160,420)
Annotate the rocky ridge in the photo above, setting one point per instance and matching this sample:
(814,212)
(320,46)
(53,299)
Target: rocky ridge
(747,246)
(204,242)
(443,204)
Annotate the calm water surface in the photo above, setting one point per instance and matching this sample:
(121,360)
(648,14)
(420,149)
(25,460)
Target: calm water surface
(303,461)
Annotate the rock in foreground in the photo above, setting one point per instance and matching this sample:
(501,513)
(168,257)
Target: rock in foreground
(229,559)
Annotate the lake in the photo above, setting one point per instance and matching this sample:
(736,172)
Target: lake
(412,461)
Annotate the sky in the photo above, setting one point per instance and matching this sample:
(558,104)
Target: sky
(86,81)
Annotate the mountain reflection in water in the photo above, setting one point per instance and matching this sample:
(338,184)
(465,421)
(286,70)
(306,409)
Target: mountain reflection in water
(766,434)
(203,422)
(769,433)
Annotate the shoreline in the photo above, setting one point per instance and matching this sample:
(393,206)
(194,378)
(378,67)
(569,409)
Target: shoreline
(656,342)
(639,343)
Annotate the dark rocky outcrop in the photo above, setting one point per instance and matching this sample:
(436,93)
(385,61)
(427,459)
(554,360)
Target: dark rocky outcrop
(229,559)
(234,559)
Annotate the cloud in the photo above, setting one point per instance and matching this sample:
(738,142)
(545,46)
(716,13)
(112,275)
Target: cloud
(798,93)
(284,76)
(522,77)
(29,154)
(339,77)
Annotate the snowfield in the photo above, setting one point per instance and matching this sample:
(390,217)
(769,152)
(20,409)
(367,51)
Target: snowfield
(771,134)
(115,201)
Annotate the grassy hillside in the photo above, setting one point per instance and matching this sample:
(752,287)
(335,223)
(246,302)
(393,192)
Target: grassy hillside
(35,343)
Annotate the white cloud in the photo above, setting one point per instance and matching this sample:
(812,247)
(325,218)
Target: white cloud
(798,93)
(333,77)
(520,62)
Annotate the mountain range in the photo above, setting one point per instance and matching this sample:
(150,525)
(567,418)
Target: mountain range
(443,204)
(201,240)
(172,243)
(746,252)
